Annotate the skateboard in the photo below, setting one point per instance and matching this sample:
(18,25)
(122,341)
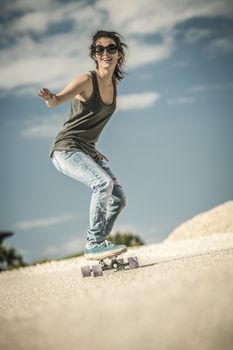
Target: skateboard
(115,263)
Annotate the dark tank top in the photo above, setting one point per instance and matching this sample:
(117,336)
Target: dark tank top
(85,122)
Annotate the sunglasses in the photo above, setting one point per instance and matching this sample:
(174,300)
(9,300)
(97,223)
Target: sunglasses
(111,49)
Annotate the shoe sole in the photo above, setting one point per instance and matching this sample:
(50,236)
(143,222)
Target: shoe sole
(105,255)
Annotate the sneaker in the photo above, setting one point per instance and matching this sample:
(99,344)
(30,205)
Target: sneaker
(104,250)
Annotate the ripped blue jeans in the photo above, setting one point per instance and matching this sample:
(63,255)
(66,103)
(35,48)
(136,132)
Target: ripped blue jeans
(108,198)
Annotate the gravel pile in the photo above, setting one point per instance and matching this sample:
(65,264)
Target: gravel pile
(217,220)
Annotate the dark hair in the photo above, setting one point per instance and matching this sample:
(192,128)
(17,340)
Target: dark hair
(119,72)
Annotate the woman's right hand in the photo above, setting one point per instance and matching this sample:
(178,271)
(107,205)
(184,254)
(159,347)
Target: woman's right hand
(46,94)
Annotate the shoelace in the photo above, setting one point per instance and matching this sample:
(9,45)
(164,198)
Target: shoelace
(106,243)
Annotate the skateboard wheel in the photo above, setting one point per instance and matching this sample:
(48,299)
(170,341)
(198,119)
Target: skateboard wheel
(114,264)
(120,260)
(121,264)
(133,262)
(86,271)
(97,270)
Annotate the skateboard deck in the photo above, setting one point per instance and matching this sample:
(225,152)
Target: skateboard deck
(109,263)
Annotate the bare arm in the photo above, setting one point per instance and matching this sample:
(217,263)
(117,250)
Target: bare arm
(75,87)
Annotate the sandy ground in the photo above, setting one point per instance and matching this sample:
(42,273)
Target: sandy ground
(181,297)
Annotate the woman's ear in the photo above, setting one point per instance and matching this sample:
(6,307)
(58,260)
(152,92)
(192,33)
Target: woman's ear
(119,56)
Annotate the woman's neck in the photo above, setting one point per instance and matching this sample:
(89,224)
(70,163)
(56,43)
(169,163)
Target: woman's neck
(105,76)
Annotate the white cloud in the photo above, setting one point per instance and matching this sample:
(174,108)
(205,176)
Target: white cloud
(72,246)
(44,222)
(143,53)
(137,101)
(33,22)
(200,88)
(43,127)
(32,60)
(205,87)
(221,45)
(181,64)
(194,35)
(25,5)
(46,62)
(150,16)
(181,100)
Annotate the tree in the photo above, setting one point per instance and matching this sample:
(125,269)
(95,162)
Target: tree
(9,258)
(129,239)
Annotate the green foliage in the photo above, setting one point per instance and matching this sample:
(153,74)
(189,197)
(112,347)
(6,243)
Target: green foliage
(10,259)
(129,239)
(44,261)
(76,255)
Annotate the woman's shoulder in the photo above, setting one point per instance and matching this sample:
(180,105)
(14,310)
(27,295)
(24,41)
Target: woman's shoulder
(83,78)
(84,81)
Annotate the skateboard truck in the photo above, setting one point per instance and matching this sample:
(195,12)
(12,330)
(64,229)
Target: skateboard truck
(116,264)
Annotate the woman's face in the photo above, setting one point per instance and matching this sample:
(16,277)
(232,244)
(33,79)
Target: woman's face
(106,59)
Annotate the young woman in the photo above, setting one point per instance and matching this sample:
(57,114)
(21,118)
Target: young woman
(74,153)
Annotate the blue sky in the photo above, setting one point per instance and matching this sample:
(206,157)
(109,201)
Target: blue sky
(169,142)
